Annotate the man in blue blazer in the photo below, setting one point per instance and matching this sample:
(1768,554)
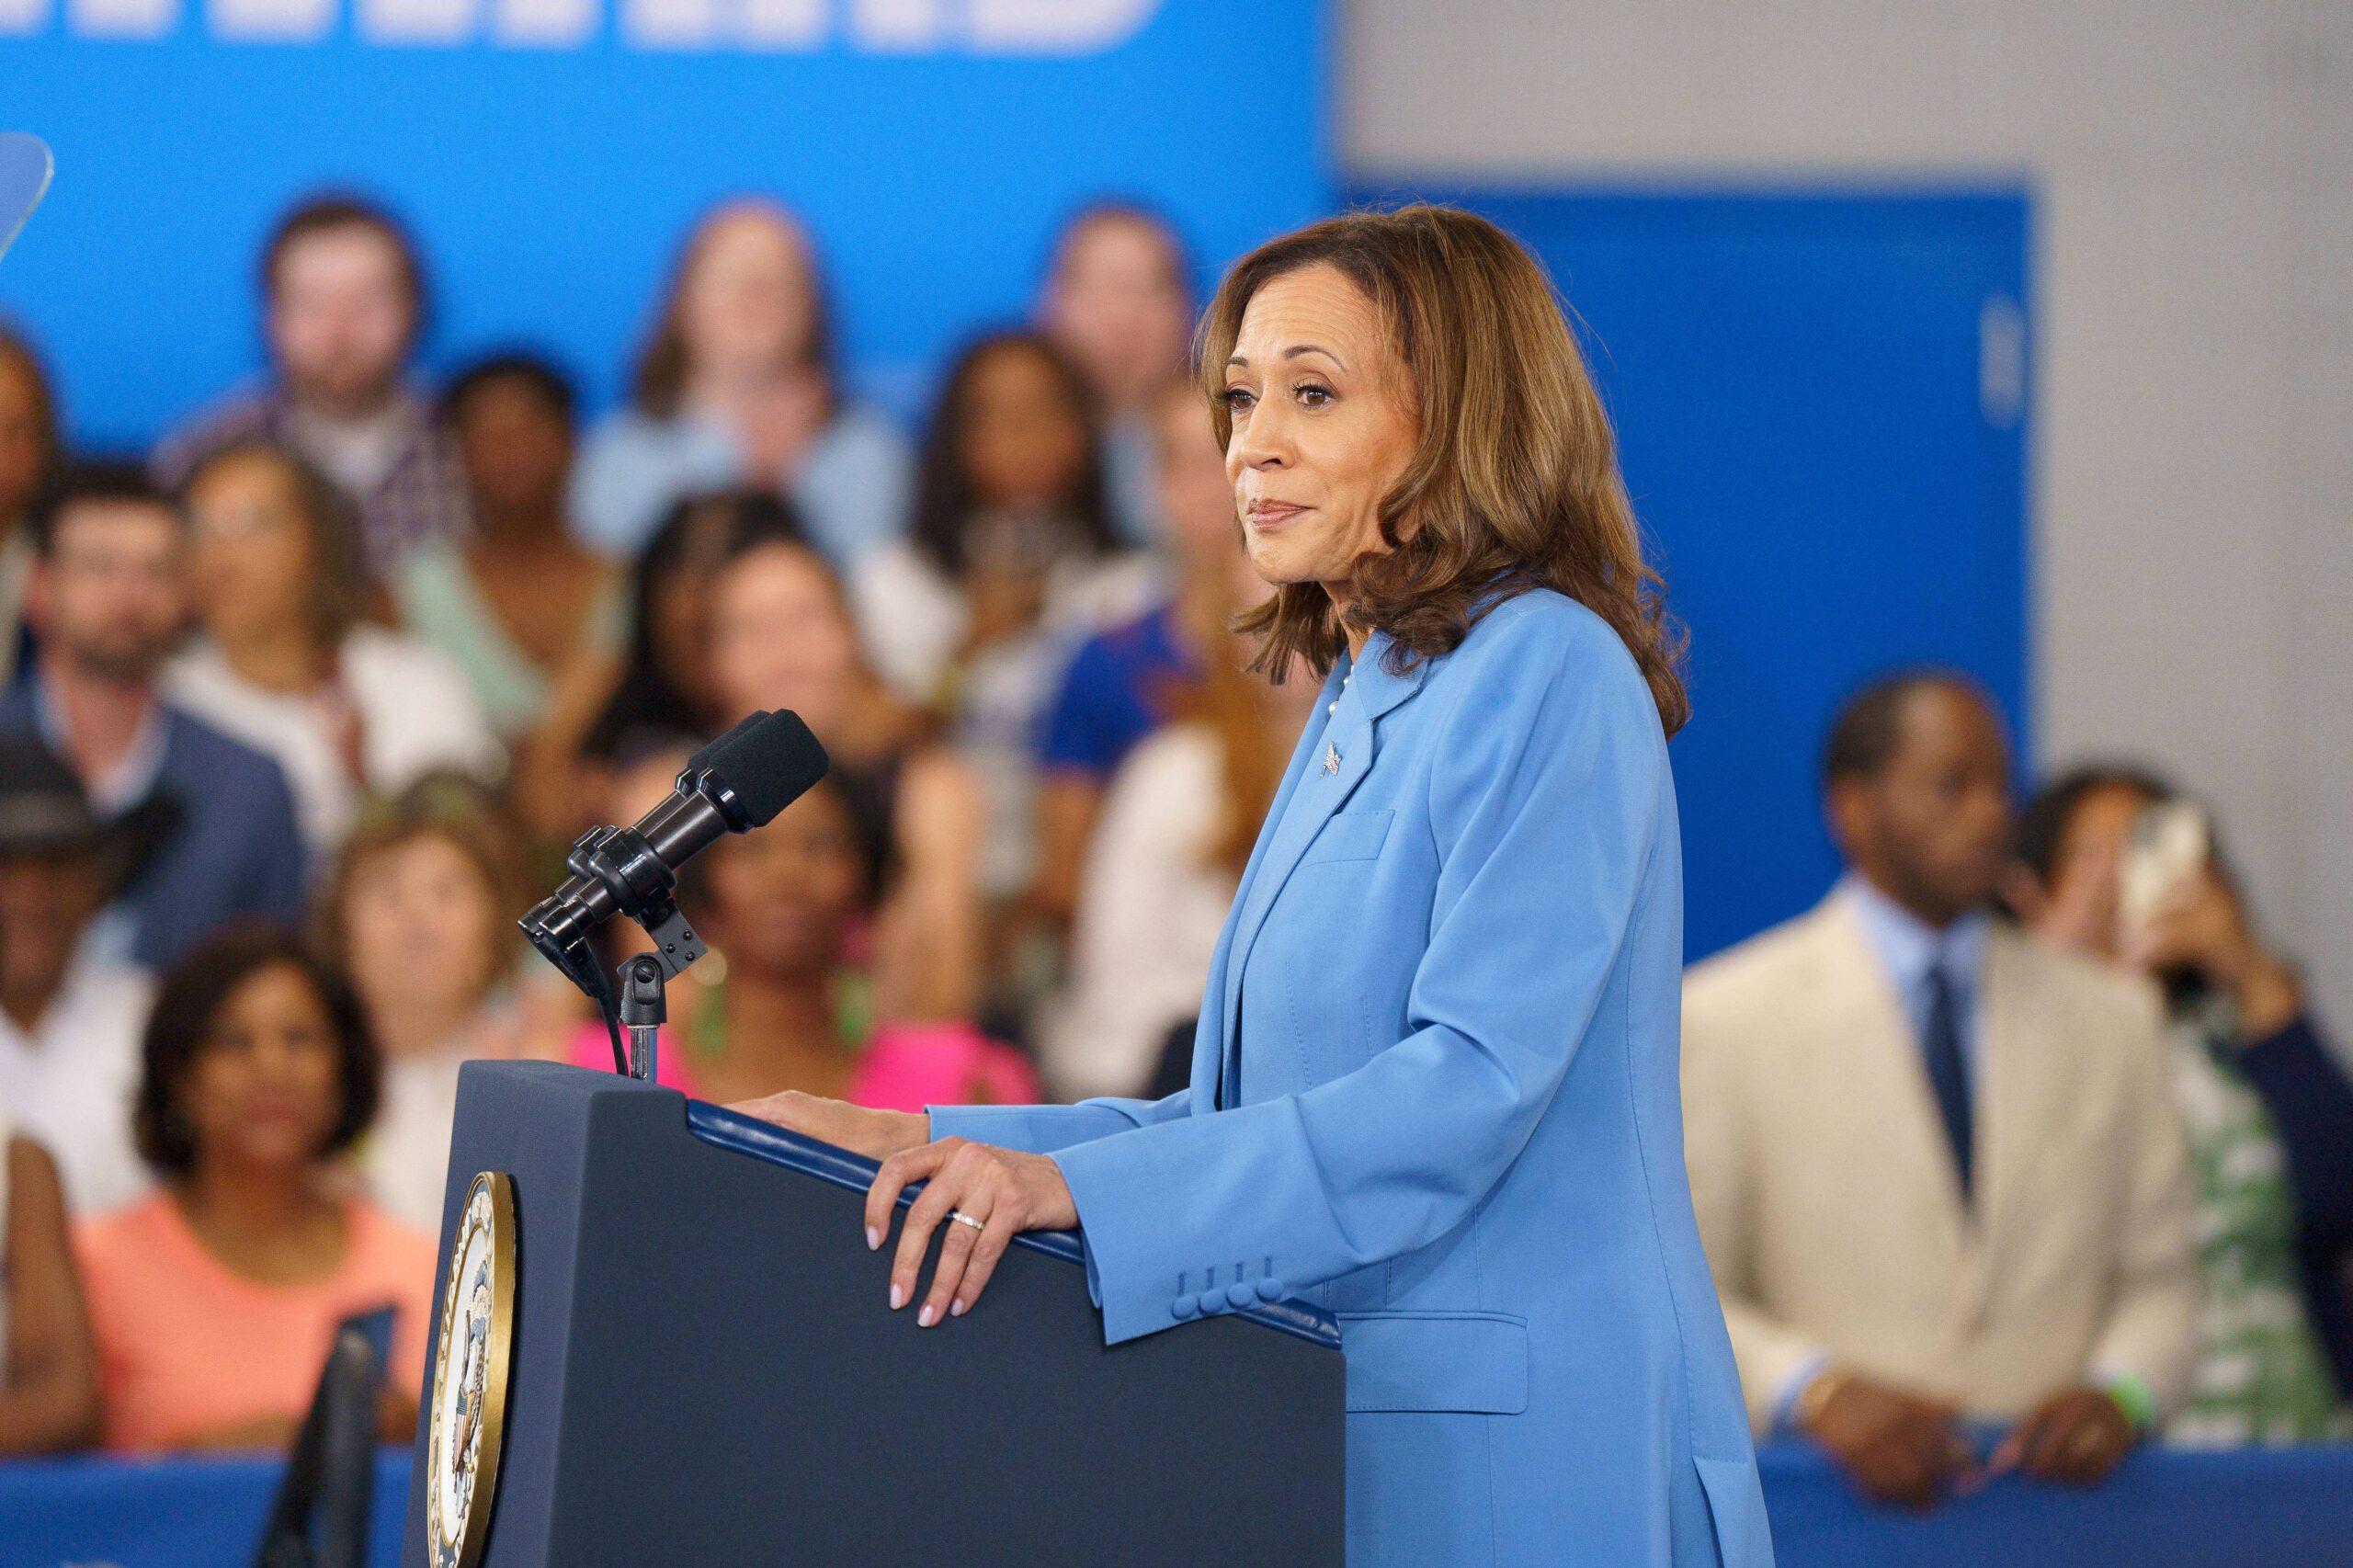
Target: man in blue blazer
(106,602)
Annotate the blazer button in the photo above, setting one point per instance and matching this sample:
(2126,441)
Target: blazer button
(1240,1295)
(1185,1306)
(1271,1289)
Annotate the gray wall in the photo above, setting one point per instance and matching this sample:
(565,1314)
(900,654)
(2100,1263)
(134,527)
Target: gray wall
(2192,170)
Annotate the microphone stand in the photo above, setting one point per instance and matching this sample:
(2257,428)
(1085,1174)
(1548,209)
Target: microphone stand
(644,1007)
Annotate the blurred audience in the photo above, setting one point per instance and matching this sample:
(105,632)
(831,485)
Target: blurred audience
(1125,680)
(106,599)
(2269,1107)
(1118,301)
(70,1015)
(286,663)
(420,913)
(1176,829)
(1012,560)
(737,386)
(782,1004)
(27,465)
(214,1300)
(1938,1167)
(48,1370)
(343,307)
(782,637)
(606,709)
(519,600)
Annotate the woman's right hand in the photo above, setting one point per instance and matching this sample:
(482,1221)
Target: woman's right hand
(877,1134)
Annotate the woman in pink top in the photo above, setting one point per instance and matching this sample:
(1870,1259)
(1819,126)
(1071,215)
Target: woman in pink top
(214,1300)
(781,1007)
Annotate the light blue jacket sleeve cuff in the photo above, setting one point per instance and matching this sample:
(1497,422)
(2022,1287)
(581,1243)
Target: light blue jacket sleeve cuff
(1042,1129)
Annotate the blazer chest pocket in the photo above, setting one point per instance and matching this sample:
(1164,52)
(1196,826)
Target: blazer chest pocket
(1350,836)
(1471,1362)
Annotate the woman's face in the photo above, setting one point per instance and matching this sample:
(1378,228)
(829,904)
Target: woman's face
(747,305)
(250,559)
(1322,425)
(782,896)
(1024,439)
(516,447)
(420,914)
(261,1091)
(2086,872)
(1118,307)
(780,638)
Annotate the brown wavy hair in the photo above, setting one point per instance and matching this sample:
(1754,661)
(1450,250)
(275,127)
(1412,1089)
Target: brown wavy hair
(1513,484)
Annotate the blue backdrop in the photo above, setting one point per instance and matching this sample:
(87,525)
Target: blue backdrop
(1822,406)
(552,153)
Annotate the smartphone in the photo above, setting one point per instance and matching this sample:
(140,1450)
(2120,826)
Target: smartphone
(2170,845)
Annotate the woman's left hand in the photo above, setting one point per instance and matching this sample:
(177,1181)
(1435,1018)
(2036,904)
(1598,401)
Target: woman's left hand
(998,1192)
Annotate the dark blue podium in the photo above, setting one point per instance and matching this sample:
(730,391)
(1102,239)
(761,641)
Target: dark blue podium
(703,1371)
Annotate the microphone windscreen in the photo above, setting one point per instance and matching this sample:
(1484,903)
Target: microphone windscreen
(769,761)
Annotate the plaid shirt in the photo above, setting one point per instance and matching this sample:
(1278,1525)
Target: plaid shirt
(420,500)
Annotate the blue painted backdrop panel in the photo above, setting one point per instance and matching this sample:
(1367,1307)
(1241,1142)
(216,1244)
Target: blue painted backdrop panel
(550,184)
(1833,478)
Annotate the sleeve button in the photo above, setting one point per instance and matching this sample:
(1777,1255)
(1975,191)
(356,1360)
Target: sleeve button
(1271,1289)
(1185,1306)
(1240,1295)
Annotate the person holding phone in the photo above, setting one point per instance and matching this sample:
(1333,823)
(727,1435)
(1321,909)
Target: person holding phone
(1433,1087)
(2112,862)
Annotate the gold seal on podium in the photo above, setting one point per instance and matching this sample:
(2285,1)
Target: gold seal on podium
(470,1375)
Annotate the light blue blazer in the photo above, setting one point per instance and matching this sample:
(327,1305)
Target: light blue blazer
(1435,1093)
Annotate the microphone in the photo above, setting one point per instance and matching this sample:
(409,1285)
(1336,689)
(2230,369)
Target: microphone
(738,782)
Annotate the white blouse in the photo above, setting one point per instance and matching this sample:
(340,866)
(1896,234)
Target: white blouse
(70,1083)
(417,715)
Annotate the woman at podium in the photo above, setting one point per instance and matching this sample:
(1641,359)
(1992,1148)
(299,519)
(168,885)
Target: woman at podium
(1434,1086)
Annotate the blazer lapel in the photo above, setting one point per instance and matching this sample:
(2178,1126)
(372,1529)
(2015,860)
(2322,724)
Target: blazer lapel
(1335,751)
(1215,1025)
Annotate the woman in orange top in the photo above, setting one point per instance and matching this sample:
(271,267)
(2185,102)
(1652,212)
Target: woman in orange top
(214,1300)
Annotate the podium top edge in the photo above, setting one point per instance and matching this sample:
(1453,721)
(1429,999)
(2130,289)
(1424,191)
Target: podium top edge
(764,1141)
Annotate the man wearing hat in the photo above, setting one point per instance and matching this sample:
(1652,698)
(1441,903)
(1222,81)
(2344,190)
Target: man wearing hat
(69,1018)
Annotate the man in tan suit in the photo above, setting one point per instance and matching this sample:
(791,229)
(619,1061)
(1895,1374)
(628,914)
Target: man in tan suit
(1938,1168)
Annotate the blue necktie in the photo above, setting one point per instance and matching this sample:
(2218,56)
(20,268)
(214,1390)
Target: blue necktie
(1947,1073)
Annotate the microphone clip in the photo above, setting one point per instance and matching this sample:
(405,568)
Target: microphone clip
(623,863)
(643,888)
